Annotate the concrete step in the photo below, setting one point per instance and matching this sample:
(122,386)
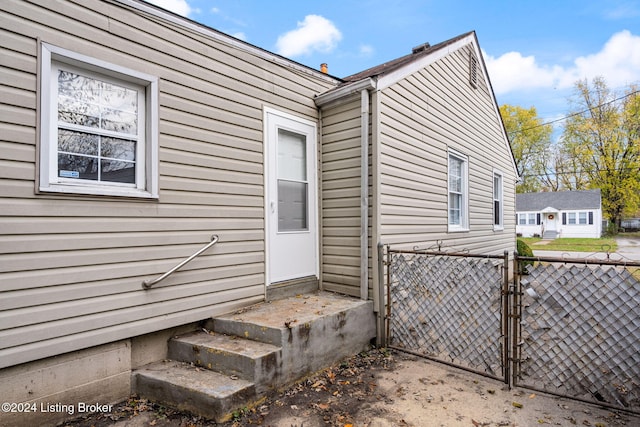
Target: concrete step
(313,330)
(265,346)
(196,390)
(250,360)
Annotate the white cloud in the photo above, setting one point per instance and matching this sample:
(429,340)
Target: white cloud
(622,11)
(315,33)
(181,7)
(618,62)
(240,35)
(366,50)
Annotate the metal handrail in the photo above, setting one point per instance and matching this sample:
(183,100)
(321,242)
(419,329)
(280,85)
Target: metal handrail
(147,284)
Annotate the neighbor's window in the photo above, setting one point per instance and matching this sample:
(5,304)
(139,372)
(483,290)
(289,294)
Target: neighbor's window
(98,127)
(572,217)
(582,217)
(458,216)
(532,219)
(497,201)
(522,219)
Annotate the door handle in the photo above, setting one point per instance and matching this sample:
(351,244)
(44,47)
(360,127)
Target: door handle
(273,207)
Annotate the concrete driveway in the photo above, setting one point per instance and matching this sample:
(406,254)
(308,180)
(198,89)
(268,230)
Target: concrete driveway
(628,249)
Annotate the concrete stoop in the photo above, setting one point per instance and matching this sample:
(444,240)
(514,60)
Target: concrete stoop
(237,358)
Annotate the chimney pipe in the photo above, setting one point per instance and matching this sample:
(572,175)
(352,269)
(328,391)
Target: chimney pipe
(324,68)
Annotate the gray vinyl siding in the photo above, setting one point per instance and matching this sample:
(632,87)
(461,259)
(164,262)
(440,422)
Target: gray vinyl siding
(421,118)
(340,185)
(71,267)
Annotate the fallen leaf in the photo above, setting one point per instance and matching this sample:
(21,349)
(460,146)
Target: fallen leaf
(517,405)
(532,396)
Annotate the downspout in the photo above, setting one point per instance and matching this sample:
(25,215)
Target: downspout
(364,194)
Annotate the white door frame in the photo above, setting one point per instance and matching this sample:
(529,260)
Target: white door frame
(273,120)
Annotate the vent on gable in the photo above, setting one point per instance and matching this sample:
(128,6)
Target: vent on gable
(473,70)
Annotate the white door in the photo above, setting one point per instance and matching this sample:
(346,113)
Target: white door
(551,222)
(290,202)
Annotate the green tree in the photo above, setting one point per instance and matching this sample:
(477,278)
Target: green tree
(602,136)
(530,141)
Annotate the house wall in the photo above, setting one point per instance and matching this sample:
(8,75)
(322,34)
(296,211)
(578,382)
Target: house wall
(565,230)
(581,230)
(340,183)
(71,267)
(421,118)
(55,388)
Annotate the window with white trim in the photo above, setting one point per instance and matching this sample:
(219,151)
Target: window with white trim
(498,222)
(532,219)
(458,192)
(98,127)
(522,219)
(582,218)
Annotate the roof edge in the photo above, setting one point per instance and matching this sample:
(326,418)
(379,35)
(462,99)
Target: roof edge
(422,62)
(156,11)
(344,91)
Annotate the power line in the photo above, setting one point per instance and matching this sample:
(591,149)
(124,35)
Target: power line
(577,172)
(574,114)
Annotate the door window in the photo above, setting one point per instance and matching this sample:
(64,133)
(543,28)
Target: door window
(292,182)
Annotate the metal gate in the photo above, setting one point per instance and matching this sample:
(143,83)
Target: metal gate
(577,329)
(569,327)
(450,307)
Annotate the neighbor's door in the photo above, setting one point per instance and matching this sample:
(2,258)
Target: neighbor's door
(551,221)
(290,202)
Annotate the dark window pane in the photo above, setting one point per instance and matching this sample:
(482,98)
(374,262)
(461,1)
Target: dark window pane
(81,167)
(118,171)
(292,206)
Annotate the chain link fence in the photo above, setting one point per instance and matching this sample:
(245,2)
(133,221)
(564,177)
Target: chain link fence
(570,327)
(448,308)
(579,331)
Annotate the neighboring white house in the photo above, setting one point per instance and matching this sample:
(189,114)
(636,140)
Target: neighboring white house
(559,214)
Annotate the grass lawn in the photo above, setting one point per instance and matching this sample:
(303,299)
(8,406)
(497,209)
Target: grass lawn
(571,244)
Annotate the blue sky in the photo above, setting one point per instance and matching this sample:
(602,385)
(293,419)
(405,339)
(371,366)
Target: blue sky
(534,50)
